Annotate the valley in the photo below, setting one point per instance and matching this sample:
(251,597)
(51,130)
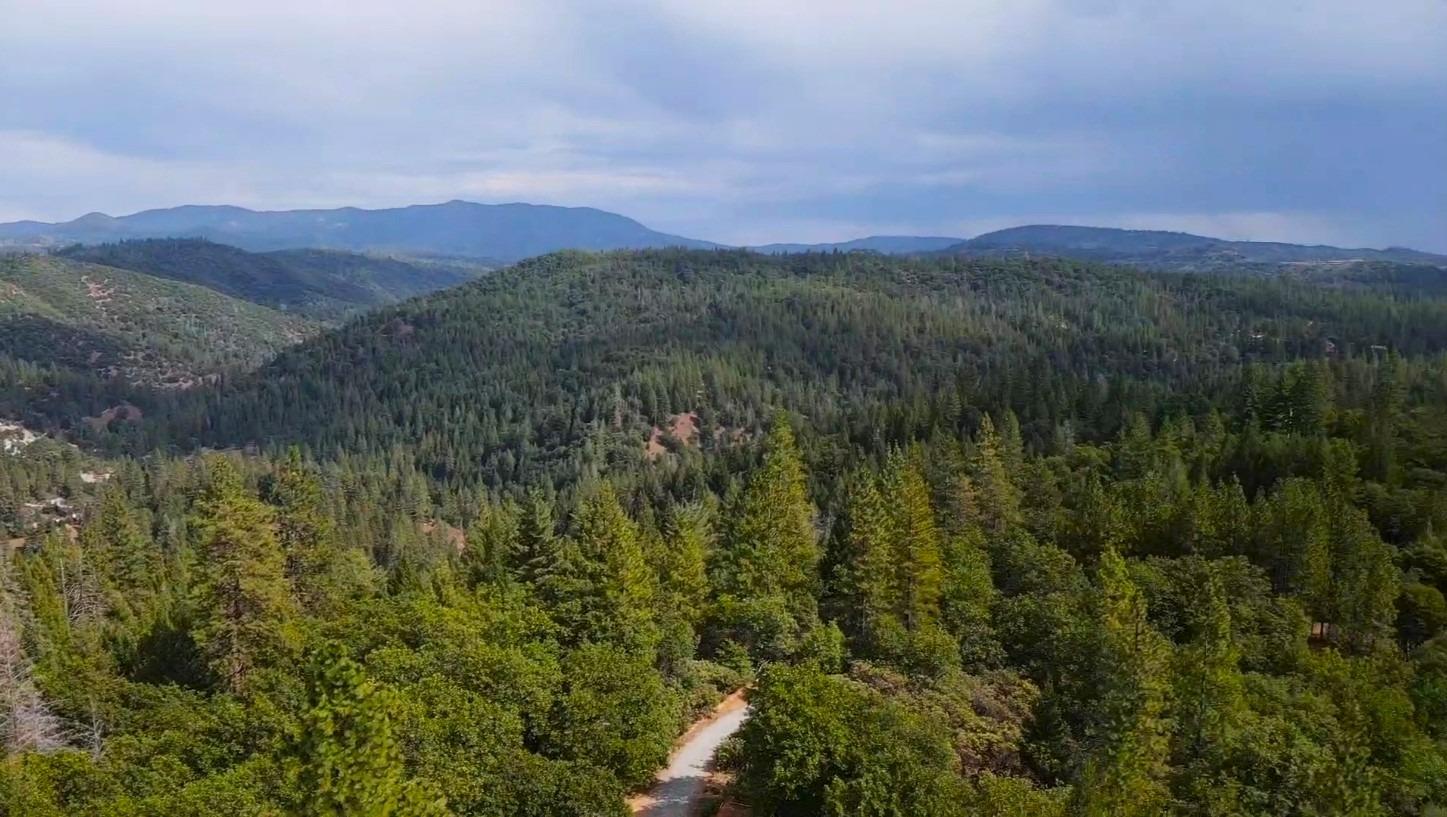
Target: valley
(967,527)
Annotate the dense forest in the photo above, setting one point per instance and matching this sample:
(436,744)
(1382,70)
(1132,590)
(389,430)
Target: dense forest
(323,284)
(980,536)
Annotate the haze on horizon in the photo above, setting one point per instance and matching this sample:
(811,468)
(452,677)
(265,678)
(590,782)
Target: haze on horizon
(747,122)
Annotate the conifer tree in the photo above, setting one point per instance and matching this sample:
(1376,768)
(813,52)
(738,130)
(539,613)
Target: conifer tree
(114,540)
(537,540)
(770,556)
(348,762)
(246,614)
(1124,773)
(993,494)
(321,570)
(915,553)
(683,569)
(864,581)
(1209,705)
(27,723)
(601,589)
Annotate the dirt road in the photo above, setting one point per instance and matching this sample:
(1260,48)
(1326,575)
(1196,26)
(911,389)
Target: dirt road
(678,788)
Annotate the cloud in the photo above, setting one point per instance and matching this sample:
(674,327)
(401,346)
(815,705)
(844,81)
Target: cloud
(742,120)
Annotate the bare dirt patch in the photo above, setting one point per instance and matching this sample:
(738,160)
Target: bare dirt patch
(125,413)
(681,427)
(453,536)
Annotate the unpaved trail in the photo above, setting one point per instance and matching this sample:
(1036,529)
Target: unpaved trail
(677,789)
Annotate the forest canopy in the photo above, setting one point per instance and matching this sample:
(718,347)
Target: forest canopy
(980,536)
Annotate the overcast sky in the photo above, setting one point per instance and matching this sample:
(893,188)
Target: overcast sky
(746,122)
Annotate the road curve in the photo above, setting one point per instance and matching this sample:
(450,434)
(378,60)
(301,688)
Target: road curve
(677,789)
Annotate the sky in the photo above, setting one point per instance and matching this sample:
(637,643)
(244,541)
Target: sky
(1317,121)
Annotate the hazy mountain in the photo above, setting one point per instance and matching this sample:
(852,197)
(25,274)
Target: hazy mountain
(321,283)
(887,244)
(1162,249)
(504,232)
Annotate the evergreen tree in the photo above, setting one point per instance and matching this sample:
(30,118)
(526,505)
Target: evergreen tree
(915,553)
(1210,708)
(601,589)
(1125,770)
(537,540)
(322,572)
(683,568)
(992,493)
(348,760)
(864,581)
(246,614)
(767,569)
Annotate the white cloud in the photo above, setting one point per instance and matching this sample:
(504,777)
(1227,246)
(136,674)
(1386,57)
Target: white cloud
(738,118)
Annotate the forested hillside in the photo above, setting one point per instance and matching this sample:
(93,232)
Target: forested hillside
(111,322)
(318,283)
(560,366)
(983,537)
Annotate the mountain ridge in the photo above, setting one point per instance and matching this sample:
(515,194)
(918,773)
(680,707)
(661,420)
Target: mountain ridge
(509,232)
(1172,249)
(504,232)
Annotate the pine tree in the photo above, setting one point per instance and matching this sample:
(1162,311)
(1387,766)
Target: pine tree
(246,614)
(1124,774)
(321,570)
(992,492)
(770,556)
(865,583)
(492,542)
(683,570)
(601,589)
(1365,582)
(113,540)
(348,762)
(916,546)
(27,723)
(537,540)
(1209,710)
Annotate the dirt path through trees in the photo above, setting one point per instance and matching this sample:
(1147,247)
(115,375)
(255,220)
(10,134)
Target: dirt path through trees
(678,788)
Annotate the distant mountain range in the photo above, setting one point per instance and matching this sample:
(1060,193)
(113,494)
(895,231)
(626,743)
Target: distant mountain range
(887,244)
(1169,250)
(505,233)
(500,232)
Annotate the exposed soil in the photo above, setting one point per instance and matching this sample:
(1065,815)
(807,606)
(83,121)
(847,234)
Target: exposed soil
(686,783)
(682,427)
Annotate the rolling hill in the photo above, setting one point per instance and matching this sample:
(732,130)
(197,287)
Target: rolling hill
(1171,250)
(131,327)
(886,244)
(566,362)
(500,232)
(319,283)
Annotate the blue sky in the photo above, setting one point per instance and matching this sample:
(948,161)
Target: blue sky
(1314,121)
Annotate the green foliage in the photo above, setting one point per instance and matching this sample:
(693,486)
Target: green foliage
(766,567)
(319,283)
(348,761)
(105,322)
(246,613)
(1027,537)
